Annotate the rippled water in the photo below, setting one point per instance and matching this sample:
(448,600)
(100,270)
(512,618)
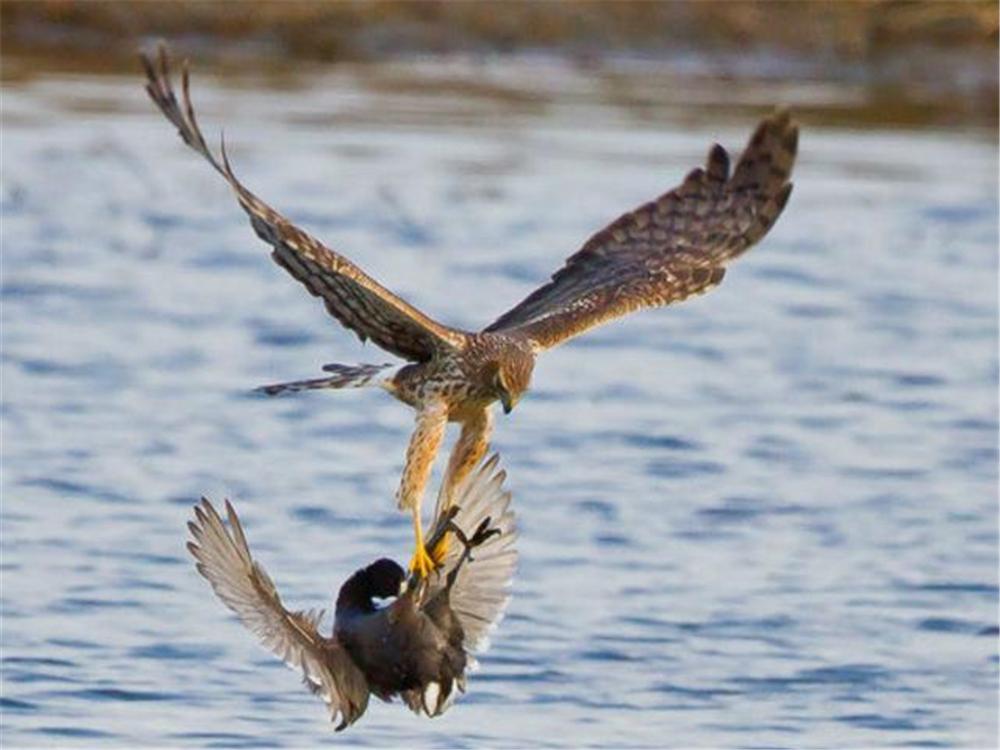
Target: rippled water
(766,517)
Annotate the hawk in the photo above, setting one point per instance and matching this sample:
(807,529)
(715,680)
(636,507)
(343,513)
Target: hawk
(665,251)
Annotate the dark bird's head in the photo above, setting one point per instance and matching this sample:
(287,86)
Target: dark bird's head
(512,375)
(380,580)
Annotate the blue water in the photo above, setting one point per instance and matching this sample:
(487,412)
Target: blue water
(766,517)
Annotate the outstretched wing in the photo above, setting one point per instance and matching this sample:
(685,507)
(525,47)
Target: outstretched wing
(667,250)
(481,589)
(469,590)
(355,299)
(223,558)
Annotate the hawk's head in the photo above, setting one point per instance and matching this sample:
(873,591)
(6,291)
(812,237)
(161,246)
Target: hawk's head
(513,376)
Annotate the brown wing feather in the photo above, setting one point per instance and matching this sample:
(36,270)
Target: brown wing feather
(355,299)
(223,558)
(669,249)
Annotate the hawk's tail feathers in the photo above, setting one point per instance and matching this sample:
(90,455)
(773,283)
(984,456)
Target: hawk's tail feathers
(344,376)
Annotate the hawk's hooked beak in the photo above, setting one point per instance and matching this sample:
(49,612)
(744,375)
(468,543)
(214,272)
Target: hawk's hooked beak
(508,401)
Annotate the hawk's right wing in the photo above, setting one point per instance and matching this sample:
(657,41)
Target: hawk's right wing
(223,558)
(669,249)
(351,296)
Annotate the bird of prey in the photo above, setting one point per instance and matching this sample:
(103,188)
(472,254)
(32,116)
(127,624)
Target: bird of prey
(662,252)
(420,646)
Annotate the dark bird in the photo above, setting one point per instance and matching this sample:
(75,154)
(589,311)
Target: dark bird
(420,646)
(674,247)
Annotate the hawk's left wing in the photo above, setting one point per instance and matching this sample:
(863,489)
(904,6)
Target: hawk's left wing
(355,299)
(667,250)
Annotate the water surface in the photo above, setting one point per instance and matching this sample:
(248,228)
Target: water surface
(766,517)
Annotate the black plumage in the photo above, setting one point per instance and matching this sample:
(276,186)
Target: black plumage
(419,646)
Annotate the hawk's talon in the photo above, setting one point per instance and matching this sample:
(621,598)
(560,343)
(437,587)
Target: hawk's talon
(422,564)
(440,550)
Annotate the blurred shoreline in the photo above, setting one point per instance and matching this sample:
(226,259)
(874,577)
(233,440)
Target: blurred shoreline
(930,62)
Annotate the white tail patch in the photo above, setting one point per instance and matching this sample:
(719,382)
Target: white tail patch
(449,697)
(431,695)
(381,602)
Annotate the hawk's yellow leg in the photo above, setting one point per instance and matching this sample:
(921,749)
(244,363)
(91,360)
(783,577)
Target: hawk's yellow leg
(469,450)
(422,563)
(424,445)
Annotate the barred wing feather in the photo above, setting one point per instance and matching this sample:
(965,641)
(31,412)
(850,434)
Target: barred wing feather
(350,295)
(669,249)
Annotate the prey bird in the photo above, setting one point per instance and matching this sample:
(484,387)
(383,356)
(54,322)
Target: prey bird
(420,646)
(664,251)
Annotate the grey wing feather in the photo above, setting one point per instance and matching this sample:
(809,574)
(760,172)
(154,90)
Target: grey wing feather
(355,299)
(669,249)
(241,583)
(481,590)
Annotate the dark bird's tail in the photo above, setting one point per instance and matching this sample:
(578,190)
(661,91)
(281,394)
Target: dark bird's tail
(344,376)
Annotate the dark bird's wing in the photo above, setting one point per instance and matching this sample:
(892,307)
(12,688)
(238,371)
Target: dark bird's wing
(667,250)
(481,589)
(466,595)
(223,558)
(355,299)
